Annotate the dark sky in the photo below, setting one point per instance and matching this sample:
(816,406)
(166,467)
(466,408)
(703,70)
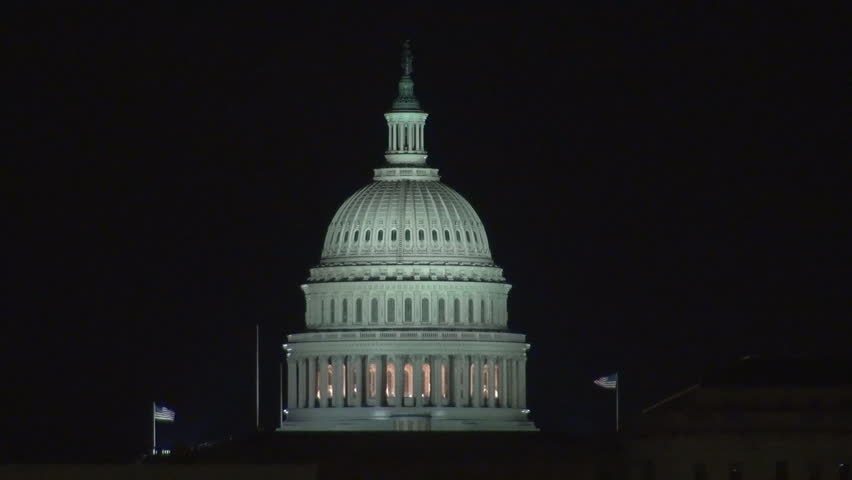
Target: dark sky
(665,189)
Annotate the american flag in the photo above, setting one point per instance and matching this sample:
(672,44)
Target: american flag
(163,414)
(609,382)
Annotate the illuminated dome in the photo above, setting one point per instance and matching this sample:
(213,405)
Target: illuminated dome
(406,216)
(406,312)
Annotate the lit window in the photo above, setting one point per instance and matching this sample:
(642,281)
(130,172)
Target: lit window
(371,380)
(367,236)
(390,380)
(427,380)
(485,381)
(343,379)
(408,379)
(330,381)
(496,381)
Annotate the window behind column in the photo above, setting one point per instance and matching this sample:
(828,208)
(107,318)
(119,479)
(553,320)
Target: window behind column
(371,380)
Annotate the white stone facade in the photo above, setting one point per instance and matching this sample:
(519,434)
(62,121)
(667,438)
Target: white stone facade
(406,313)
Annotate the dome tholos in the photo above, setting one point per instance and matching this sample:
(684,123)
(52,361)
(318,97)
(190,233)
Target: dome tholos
(403,218)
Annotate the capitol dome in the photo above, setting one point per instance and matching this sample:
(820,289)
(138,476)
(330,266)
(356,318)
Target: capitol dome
(406,216)
(406,312)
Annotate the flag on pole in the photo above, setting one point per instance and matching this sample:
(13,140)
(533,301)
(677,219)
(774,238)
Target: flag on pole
(163,414)
(610,382)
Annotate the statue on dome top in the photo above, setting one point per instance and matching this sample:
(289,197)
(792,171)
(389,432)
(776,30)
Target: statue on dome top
(407,58)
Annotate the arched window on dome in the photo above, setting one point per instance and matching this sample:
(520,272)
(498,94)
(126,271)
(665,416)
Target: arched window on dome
(344,311)
(446,235)
(466,234)
(408,380)
(355,237)
(390,315)
(331,308)
(345,237)
(393,235)
(420,235)
(434,235)
(407,235)
(424,311)
(456,311)
(367,236)
(374,310)
(359,310)
(475,237)
(442,311)
(470,316)
(337,240)
(380,236)
(482,311)
(390,381)
(408,316)
(458,236)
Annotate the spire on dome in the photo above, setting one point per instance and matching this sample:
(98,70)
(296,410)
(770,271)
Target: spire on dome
(405,100)
(406,121)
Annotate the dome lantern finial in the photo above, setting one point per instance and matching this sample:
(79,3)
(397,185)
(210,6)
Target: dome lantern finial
(406,120)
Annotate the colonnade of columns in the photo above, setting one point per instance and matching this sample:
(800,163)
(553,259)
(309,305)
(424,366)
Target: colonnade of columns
(405,380)
(406,137)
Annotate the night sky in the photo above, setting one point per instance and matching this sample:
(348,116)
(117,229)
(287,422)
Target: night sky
(665,189)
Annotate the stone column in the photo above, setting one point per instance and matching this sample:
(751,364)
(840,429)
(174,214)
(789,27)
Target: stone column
(302,385)
(522,382)
(351,381)
(492,400)
(312,382)
(435,369)
(504,383)
(336,382)
(476,381)
(292,389)
(399,379)
(455,381)
(322,385)
(417,365)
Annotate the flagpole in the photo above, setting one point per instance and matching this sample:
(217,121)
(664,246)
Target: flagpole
(257,378)
(617,386)
(154,421)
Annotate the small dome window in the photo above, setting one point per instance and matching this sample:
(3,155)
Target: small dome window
(466,234)
(446,235)
(355,237)
(475,237)
(420,235)
(345,237)
(338,237)
(407,235)
(458,236)
(434,235)
(393,235)
(380,235)
(366,235)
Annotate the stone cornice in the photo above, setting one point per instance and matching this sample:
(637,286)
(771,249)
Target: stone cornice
(410,272)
